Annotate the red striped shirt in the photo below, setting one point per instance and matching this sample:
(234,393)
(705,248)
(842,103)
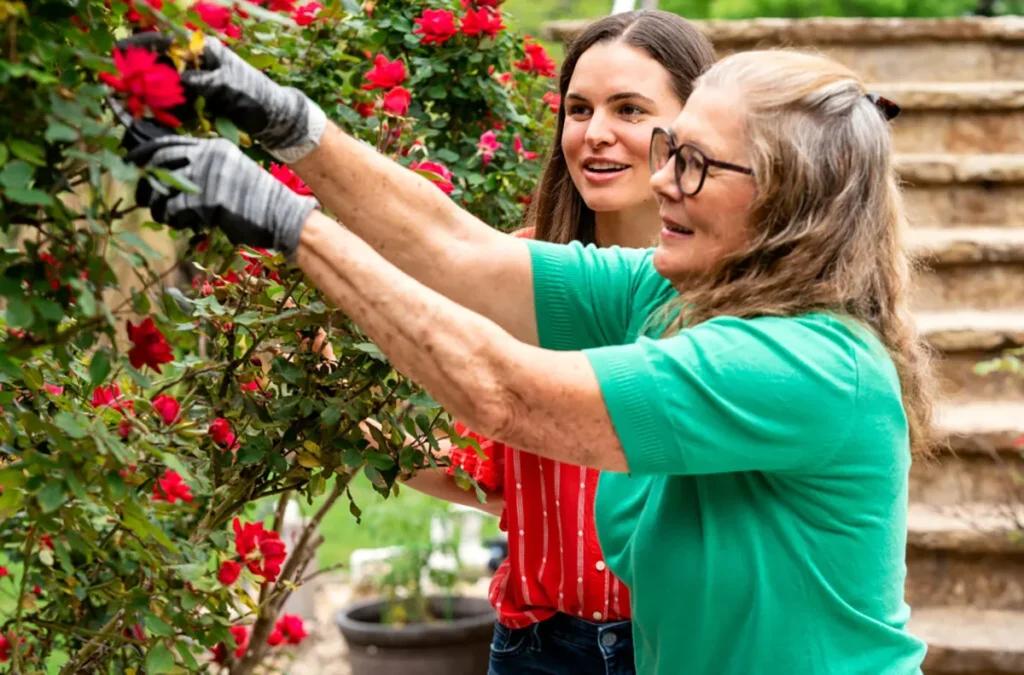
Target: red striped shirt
(554,562)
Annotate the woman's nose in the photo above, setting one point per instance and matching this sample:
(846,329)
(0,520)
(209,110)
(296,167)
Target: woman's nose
(599,131)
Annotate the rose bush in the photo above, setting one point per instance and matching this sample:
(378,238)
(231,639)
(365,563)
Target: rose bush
(158,388)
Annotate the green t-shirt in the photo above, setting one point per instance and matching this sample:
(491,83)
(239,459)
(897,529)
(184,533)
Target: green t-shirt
(762,526)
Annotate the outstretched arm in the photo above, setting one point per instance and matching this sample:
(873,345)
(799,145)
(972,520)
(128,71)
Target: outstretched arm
(545,402)
(420,230)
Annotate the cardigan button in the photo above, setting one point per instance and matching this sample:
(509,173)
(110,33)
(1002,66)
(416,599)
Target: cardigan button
(600,566)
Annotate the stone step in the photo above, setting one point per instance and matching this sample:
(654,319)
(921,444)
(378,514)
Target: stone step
(880,50)
(951,190)
(968,343)
(968,268)
(958,117)
(966,641)
(966,555)
(977,461)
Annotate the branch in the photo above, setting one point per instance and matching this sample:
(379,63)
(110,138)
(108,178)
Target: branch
(30,542)
(76,664)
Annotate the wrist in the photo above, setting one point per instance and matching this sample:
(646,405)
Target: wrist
(306,135)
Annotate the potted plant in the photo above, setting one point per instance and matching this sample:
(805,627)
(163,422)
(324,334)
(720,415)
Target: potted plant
(418,624)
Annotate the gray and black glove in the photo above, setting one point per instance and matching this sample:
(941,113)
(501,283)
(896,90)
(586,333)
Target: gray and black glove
(235,193)
(283,119)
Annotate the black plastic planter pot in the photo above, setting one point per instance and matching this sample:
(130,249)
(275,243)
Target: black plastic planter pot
(458,647)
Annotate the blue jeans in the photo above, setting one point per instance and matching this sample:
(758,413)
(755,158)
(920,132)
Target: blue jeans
(563,645)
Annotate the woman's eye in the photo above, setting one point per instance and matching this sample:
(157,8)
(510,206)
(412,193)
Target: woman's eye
(632,110)
(578,109)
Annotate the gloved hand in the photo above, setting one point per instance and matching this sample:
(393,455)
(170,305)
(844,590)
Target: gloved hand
(283,119)
(235,194)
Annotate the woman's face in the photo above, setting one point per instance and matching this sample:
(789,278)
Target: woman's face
(616,96)
(698,230)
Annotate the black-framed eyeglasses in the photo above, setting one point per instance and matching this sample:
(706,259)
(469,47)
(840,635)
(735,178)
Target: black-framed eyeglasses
(691,162)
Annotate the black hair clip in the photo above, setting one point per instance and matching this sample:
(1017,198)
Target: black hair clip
(889,108)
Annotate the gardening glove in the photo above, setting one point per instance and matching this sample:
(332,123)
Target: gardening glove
(283,119)
(235,194)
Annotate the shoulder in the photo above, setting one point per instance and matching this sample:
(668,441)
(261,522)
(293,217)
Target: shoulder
(813,357)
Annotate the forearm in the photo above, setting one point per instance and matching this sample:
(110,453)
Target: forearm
(545,402)
(437,483)
(420,230)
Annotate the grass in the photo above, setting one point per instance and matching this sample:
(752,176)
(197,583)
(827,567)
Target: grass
(385,522)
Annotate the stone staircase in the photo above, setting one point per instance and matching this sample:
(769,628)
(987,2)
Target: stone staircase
(960,83)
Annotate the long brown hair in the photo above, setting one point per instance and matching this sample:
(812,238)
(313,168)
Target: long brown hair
(558,213)
(828,220)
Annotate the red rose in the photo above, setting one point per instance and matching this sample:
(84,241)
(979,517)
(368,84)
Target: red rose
(3,572)
(36,590)
(289,628)
(385,74)
(46,541)
(262,551)
(488,145)
(536,61)
(289,178)
(281,6)
(553,100)
(366,108)
(170,487)
(397,101)
(482,21)
(103,396)
(217,17)
(168,408)
(55,390)
(148,84)
(6,644)
(228,573)
(124,429)
(441,177)
(526,154)
(241,635)
(146,21)
(307,13)
(220,432)
(436,26)
(151,348)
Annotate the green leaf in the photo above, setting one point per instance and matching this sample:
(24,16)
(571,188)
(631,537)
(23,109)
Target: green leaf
(49,310)
(4,154)
(116,486)
(133,239)
(51,496)
(159,659)
(371,349)
(99,368)
(69,425)
(330,416)
(379,460)
(58,131)
(250,454)
(291,373)
(158,626)
(29,152)
(29,196)
(175,181)
(19,313)
(185,653)
(227,130)
(446,155)
(437,91)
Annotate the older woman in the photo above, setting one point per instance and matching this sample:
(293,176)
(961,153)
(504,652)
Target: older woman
(752,387)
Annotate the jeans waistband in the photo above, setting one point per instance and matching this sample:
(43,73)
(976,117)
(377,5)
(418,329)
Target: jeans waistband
(587,631)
